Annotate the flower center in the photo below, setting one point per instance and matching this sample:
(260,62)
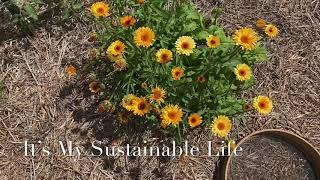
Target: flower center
(177,73)
(193,120)
(262,105)
(164,57)
(127,22)
(157,95)
(145,37)
(100,10)
(142,106)
(172,115)
(242,72)
(244,39)
(213,42)
(185,45)
(118,48)
(221,126)
(270,30)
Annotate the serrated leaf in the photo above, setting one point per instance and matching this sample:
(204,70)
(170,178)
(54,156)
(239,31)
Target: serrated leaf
(190,27)
(202,35)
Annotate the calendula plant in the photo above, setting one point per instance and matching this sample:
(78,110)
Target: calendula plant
(168,65)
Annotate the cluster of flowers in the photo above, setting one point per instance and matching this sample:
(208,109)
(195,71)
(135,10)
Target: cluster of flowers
(171,114)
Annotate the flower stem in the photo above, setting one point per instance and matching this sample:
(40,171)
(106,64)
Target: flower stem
(179,133)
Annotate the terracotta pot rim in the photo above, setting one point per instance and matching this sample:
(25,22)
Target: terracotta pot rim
(300,143)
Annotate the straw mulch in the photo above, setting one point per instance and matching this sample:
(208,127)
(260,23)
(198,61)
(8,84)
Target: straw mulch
(42,104)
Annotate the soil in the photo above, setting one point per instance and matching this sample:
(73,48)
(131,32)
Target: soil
(269,158)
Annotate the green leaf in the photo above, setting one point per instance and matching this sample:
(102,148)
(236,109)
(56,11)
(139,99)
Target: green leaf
(31,12)
(190,27)
(202,35)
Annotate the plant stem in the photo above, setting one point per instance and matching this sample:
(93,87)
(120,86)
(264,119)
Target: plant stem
(179,135)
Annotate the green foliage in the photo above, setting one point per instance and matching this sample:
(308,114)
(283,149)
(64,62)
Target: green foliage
(217,96)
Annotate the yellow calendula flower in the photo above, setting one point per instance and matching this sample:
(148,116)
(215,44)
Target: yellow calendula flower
(243,72)
(271,30)
(71,71)
(94,87)
(261,23)
(171,114)
(221,126)
(213,41)
(158,95)
(114,58)
(127,21)
(177,73)
(144,37)
(120,64)
(164,123)
(141,107)
(100,9)
(263,105)
(128,102)
(164,56)
(194,120)
(185,45)
(116,48)
(247,38)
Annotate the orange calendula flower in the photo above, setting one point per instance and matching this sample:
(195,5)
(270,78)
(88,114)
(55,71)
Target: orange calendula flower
(185,45)
(213,41)
(246,38)
(140,1)
(263,105)
(158,95)
(164,56)
(116,48)
(177,73)
(261,23)
(194,120)
(221,126)
(127,21)
(128,102)
(144,37)
(100,9)
(141,107)
(71,71)
(171,114)
(271,30)
(243,72)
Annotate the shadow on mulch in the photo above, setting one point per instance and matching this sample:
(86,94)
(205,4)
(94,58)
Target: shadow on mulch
(104,128)
(47,21)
